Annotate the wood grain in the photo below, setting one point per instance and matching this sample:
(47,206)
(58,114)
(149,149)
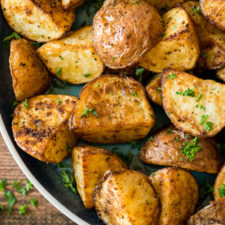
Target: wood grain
(44,214)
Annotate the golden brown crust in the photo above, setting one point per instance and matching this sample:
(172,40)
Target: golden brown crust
(29,75)
(214,11)
(220,180)
(194,105)
(124,30)
(90,164)
(164,4)
(40,127)
(178,192)
(213,214)
(221,74)
(123,111)
(128,198)
(165,149)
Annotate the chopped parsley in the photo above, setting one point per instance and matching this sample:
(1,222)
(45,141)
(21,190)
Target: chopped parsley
(11,200)
(139,73)
(59,101)
(190,149)
(151,138)
(221,190)
(19,188)
(68,148)
(204,118)
(62,165)
(169,131)
(189,92)
(61,57)
(59,72)
(170,112)
(87,75)
(179,93)
(172,76)
(14,104)
(36,44)
(23,209)
(1,207)
(25,103)
(29,185)
(68,180)
(163,34)
(33,202)
(7,40)
(134,94)
(159,89)
(113,58)
(208,126)
(177,139)
(3,184)
(199,97)
(86,112)
(197,10)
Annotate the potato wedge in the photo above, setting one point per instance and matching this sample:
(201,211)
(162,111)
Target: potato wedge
(219,186)
(167,149)
(211,39)
(154,89)
(194,105)
(112,109)
(123,31)
(29,75)
(73,58)
(178,192)
(221,74)
(68,4)
(90,164)
(178,48)
(38,20)
(214,11)
(40,127)
(213,214)
(164,4)
(127,198)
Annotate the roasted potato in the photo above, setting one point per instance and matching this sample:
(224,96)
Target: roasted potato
(68,4)
(73,58)
(178,48)
(172,147)
(211,39)
(213,214)
(221,74)
(194,105)
(123,31)
(29,75)
(38,20)
(112,109)
(219,186)
(154,89)
(127,198)
(164,4)
(178,192)
(40,127)
(90,164)
(214,11)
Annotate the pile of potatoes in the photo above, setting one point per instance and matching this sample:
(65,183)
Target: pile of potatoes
(111,108)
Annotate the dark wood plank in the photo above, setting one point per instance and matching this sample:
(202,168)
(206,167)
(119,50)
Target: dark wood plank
(44,214)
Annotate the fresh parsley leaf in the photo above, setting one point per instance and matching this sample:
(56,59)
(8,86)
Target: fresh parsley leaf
(59,72)
(159,89)
(11,200)
(203,119)
(87,75)
(86,112)
(59,101)
(163,34)
(197,10)
(170,112)
(68,180)
(36,44)
(150,138)
(20,189)
(221,190)
(95,113)
(172,76)
(208,126)
(199,97)
(23,209)
(29,185)
(139,73)
(14,104)
(7,40)
(179,93)
(3,184)
(1,207)
(177,139)
(190,149)
(189,92)
(33,202)
(25,103)
(134,94)
(169,131)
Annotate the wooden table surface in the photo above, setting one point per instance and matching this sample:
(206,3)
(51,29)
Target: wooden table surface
(44,214)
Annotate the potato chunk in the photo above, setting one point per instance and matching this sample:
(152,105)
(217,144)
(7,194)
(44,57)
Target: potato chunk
(127,198)
(112,109)
(178,192)
(90,164)
(40,127)
(68,4)
(214,11)
(221,74)
(219,186)
(172,147)
(211,39)
(123,31)
(194,105)
(213,214)
(73,58)
(164,4)
(178,48)
(154,89)
(38,20)
(29,75)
